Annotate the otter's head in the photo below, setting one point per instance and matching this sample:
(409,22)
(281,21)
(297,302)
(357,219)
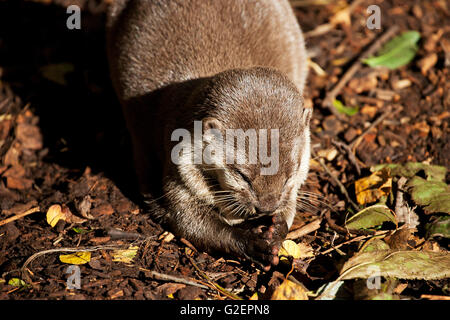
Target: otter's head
(256,143)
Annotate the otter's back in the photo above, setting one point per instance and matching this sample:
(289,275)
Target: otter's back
(152,43)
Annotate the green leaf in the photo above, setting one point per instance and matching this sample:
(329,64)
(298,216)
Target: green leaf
(81,231)
(396,53)
(433,196)
(344,109)
(410,169)
(16,282)
(426,265)
(374,244)
(370,217)
(439,228)
(57,72)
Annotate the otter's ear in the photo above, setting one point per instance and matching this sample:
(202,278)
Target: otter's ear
(211,123)
(306,116)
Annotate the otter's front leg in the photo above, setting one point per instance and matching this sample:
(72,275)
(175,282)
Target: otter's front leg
(261,239)
(258,241)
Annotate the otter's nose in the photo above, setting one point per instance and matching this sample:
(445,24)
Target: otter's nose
(267,204)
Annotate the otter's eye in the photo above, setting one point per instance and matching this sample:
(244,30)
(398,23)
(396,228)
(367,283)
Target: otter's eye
(244,177)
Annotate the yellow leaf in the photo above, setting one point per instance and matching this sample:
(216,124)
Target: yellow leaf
(373,187)
(81,257)
(290,290)
(126,255)
(254,296)
(341,17)
(292,249)
(54,214)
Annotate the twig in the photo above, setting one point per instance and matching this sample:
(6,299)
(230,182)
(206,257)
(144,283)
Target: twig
(21,215)
(351,156)
(331,95)
(90,249)
(336,180)
(354,144)
(188,244)
(310,227)
(353,240)
(326,27)
(167,277)
(212,283)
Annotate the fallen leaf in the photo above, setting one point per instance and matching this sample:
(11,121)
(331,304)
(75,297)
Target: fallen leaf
(425,265)
(126,255)
(290,290)
(57,72)
(410,169)
(402,239)
(433,196)
(370,217)
(85,206)
(330,290)
(397,52)
(374,244)
(56,213)
(18,183)
(81,257)
(29,135)
(16,282)
(350,111)
(372,188)
(297,251)
(103,209)
(254,296)
(439,228)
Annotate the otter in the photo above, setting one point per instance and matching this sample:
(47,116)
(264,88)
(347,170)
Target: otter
(204,68)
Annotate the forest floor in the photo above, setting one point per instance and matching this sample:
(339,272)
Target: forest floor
(63,145)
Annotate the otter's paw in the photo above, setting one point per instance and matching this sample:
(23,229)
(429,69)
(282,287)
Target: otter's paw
(261,243)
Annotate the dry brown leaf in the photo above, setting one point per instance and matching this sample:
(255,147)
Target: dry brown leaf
(427,63)
(372,188)
(57,212)
(29,135)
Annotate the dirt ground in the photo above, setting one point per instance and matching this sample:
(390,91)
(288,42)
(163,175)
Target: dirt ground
(63,141)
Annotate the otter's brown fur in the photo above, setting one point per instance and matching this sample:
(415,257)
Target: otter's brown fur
(231,64)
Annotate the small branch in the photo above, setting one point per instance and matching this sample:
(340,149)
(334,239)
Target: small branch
(339,183)
(212,283)
(331,95)
(19,216)
(354,144)
(41,253)
(353,240)
(310,227)
(351,156)
(167,277)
